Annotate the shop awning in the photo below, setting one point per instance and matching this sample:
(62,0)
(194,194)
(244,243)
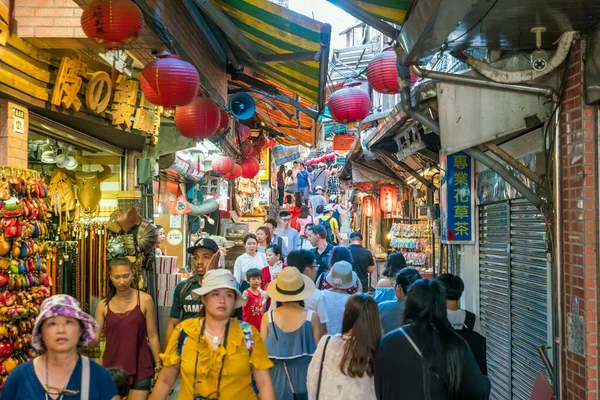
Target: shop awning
(392,11)
(285,45)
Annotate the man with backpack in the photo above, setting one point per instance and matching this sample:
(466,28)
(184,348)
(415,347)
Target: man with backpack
(463,321)
(205,256)
(331,226)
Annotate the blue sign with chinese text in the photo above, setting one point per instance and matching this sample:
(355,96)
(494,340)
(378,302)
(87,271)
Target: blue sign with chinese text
(457,199)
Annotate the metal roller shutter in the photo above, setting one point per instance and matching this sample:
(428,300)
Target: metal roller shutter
(513,295)
(529,295)
(494,281)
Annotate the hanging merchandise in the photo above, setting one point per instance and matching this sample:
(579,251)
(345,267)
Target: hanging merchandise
(413,240)
(199,119)
(25,258)
(169,82)
(350,104)
(368,206)
(112,23)
(246,147)
(388,198)
(382,72)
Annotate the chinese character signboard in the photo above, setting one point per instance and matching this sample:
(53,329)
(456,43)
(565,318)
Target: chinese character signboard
(457,199)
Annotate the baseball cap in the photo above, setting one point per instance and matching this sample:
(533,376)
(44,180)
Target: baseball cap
(318,187)
(328,207)
(333,197)
(203,243)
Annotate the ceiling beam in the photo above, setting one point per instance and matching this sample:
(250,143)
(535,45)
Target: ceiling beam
(229,29)
(365,16)
(390,162)
(290,57)
(324,65)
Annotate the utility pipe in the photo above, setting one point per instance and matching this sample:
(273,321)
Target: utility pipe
(508,176)
(420,116)
(545,91)
(557,264)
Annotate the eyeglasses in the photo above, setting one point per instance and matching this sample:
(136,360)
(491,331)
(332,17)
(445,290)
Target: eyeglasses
(52,391)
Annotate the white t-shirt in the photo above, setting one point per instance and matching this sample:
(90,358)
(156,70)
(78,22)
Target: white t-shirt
(246,262)
(335,303)
(316,302)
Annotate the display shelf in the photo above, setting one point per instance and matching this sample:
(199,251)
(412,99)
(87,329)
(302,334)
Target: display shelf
(413,239)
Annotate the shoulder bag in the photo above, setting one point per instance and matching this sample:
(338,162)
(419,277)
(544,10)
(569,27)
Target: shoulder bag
(321,367)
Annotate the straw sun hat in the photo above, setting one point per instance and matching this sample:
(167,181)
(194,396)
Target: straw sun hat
(219,279)
(290,285)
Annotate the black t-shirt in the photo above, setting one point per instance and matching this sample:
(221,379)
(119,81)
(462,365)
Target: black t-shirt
(322,259)
(184,306)
(399,371)
(363,259)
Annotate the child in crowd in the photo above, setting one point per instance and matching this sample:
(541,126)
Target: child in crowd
(121,380)
(256,304)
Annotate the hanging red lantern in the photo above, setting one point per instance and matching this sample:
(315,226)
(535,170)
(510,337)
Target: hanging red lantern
(223,122)
(388,197)
(250,167)
(382,72)
(169,82)
(246,147)
(330,156)
(260,144)
(236,172)
(199,119)
(350,104)
(222,164)
(243,131)
(112,23)
(368,206)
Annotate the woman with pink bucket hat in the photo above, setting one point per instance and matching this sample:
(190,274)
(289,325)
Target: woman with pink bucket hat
(60,331)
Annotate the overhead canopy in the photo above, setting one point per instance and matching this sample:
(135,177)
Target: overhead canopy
(275,31)
(392,11)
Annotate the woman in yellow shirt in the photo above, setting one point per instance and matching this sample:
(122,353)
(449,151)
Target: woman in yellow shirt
(215,355)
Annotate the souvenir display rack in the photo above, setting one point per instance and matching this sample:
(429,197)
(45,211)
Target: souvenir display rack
(26,260)
(413,238)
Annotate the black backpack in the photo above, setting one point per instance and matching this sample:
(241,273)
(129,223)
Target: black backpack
(327,225)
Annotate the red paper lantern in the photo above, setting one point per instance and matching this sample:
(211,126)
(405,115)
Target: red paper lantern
(309,163)
(349,104)
(246,147)
(260,144)
(388,197)
(243,131)
(170,82)
(368,206)
(112,23)
(250,167)
(223,122)
(199,119)
(382,73)
(222,164)
(330,156)
(236,172)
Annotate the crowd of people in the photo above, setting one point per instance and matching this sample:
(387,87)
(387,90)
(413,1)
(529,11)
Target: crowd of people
(296,318)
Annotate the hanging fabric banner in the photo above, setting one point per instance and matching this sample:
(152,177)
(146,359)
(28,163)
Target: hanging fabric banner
(457,199)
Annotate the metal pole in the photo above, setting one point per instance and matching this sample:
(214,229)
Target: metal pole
(545,91)
(558,299)
(420,116)
(506,175)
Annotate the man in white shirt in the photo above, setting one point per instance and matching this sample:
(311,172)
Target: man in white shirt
(316,200)
(290,238)
(304,260)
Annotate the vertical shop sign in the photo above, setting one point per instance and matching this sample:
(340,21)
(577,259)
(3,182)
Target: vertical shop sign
(124,101)
(18,121)
(457,199)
